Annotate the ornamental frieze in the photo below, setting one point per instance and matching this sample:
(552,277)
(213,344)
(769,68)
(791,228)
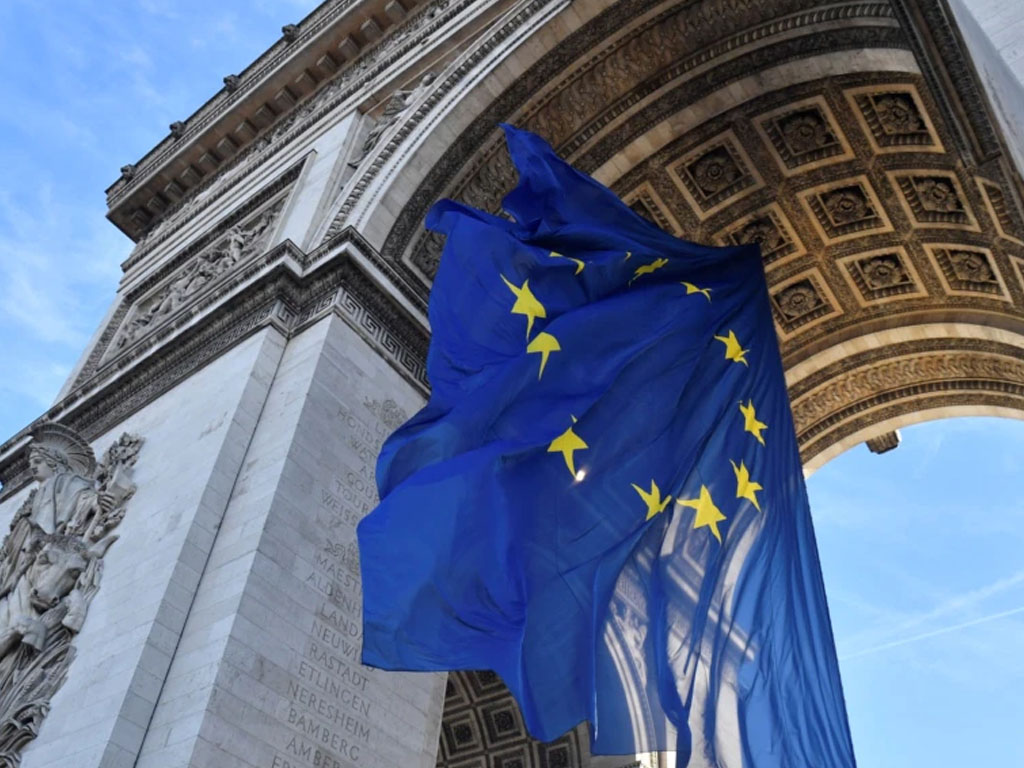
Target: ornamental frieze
(416,30)
(610,83)
(863,384)
(51,564)
(238,245)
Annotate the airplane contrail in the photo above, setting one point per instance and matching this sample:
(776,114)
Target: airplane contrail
(933,633)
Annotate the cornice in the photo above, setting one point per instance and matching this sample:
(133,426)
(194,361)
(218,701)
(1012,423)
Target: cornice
(163,182)
(290,291)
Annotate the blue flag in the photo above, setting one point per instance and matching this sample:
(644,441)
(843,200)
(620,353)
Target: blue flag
(603,500)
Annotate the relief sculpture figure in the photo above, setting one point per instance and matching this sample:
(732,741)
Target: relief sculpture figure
(50,567)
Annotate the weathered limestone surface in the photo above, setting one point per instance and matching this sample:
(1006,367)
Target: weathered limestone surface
(1003,23)
(267,674)
(270,327)
(198,433)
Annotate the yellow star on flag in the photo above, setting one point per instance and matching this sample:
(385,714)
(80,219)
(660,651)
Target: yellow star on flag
(750,422)
(691,289)
(545,344)
(646,269)
(745,487)
(708,515)
(526,303)
(579,262)
(566,443)
(733,349)
(653,500)
(628,255)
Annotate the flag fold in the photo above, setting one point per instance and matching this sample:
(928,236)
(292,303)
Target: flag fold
(603,499)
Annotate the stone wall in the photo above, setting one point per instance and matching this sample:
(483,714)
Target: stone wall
(267,673)
(196,436)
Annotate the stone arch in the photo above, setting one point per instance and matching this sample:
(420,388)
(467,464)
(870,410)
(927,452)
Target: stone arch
(868,386)
(852,140)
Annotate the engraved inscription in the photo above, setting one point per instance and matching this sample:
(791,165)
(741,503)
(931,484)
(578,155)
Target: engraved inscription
(332,703)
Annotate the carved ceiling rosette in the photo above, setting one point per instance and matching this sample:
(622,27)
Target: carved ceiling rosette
(967,270)
(51,563)
(883,272)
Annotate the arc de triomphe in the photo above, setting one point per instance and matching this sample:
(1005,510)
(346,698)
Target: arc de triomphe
(269,329)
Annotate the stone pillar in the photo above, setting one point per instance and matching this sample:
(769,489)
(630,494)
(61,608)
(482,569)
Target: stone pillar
(195,436)
(267,672)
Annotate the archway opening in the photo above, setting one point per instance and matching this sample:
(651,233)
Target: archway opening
(851,140)
(920,550)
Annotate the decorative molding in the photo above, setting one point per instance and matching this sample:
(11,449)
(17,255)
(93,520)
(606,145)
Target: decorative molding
(952,80)
(464,171)
(909,378)
(966,397)
(51,563)
(271,60)
(819,399)
(448,82)
(408,37)
(203,271)
(767,36)
(275,294)
(193,205)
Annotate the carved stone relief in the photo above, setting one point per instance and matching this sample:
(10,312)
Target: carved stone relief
(804,134)
(238,245)
(895,120)
(802,300)
(935,200)
(1004,216)
(390,413)
(846,209)
(416,29)
(968,270)
(51,563)
(715,174)
(814,412)
(646,202)
(882,274)
(769,229)
(601,88)
(395,105)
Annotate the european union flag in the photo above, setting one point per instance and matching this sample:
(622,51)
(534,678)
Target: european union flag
(603,500)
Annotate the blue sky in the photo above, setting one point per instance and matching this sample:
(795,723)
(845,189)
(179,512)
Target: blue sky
(88,86)
(921,548)
(921,551)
